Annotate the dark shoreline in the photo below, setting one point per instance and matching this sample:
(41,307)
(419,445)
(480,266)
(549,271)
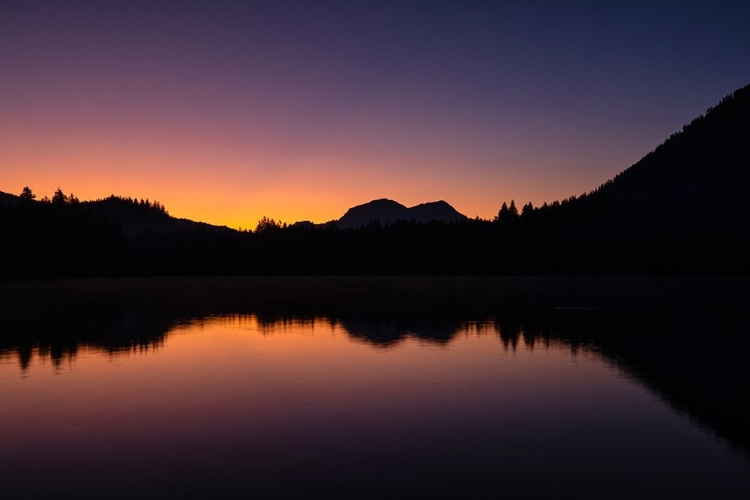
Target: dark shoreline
(385,294)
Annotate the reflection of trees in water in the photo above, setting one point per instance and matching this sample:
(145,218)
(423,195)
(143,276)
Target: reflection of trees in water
(61,352)
(60,338)
(385,332)
(690,360)
(694,363)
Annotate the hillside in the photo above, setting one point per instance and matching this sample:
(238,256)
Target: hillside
(704,167)
(680,209)
(133,217)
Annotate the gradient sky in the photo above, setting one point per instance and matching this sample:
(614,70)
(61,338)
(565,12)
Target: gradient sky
(299,110)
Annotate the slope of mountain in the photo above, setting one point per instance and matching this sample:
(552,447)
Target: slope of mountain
(388,211)
(703,168)
(681,209)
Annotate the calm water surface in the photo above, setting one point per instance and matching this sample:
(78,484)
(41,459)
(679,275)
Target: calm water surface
(233,406)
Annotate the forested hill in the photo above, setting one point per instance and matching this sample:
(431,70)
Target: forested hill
(704,167)
(681,208)
(138,217)
(66,237)
(133,217)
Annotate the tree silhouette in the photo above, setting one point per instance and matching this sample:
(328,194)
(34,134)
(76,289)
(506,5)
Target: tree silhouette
(266,225)
(27,194)
(512,210)
(59,198)
(527,209)
(507,213)
(502,214)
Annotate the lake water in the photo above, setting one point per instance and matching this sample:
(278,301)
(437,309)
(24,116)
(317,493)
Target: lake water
(246,406)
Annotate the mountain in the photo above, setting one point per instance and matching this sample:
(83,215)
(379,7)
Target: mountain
(703,169)
(388,211)
(436,210)
(681,209)
(384,210)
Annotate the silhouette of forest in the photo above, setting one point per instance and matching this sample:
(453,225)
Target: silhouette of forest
(680,210)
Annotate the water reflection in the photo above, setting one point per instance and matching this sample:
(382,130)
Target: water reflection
(59,338)
(696,364)
(135,332)
(288,405)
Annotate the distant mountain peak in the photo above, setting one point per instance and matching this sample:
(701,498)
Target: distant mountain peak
(381,202)
(439,203)
(387,211)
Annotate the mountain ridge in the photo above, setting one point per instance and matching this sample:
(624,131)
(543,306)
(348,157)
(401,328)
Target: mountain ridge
(387,211)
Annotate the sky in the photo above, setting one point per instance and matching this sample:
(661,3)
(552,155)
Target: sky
(227,112)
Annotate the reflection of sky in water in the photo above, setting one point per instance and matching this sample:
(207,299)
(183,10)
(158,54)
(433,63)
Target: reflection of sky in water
(234,404)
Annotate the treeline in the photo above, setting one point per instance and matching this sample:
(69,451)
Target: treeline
(59,198)
(582,235)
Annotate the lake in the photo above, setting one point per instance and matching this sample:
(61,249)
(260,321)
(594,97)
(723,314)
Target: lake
(144,399)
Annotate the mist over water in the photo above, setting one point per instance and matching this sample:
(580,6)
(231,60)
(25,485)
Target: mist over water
(275,405)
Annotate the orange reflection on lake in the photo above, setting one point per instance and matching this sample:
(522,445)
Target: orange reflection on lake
(232,404)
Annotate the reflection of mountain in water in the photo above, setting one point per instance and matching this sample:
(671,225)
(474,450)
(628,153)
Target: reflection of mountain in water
(383,333)
(693,361)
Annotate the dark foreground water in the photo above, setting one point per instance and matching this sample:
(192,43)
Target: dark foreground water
(248,405)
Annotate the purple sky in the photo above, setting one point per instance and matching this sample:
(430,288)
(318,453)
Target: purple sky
(298,110)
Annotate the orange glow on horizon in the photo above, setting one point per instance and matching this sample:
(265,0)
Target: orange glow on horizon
(235,201)
(232,169)
(236,181)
